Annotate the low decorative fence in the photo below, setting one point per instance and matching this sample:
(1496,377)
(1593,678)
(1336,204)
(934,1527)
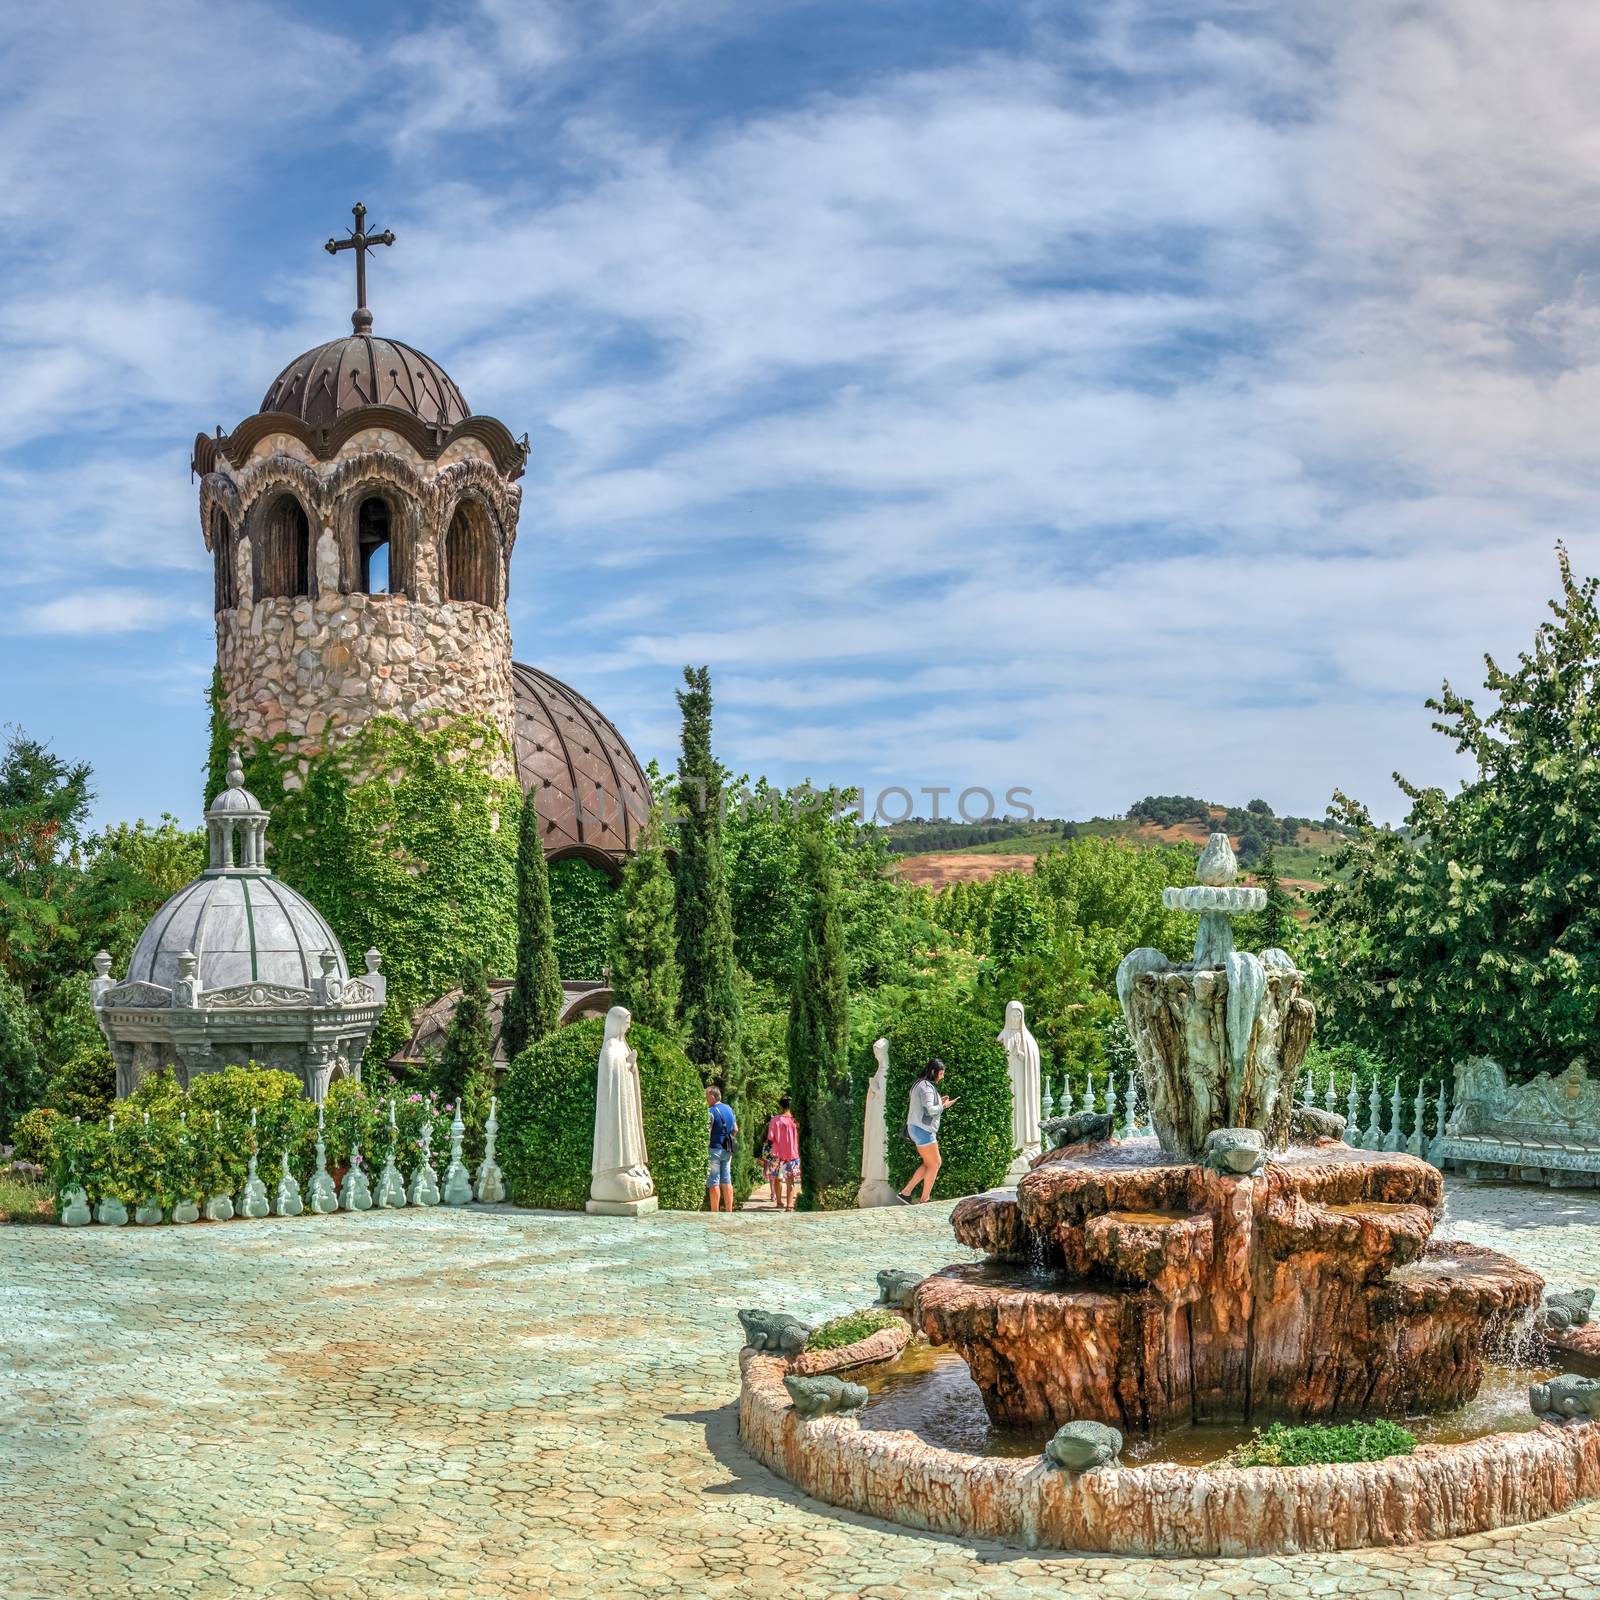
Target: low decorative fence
(177,1181)
(1375,1118)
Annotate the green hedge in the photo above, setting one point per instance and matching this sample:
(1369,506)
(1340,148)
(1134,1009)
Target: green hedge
(546,1139)
(975,1135)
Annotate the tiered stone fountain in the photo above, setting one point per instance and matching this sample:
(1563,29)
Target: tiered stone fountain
(1219,1272)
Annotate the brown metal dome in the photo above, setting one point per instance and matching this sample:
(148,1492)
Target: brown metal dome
(593,794)
(360,370)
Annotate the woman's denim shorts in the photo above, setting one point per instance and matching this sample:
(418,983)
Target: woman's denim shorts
(921,1136)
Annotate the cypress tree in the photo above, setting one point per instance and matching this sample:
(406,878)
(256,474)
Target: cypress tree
(819,1062)
(533,1008)
(466,1063)
(20,1078)
(221,740)
(705,917)
(644,938)
(1276,914)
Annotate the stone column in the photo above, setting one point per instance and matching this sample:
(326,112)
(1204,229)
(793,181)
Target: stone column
(316,1070)
(127,1072)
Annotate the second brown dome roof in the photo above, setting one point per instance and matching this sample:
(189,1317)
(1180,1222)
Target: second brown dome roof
(360,370)
(593,794)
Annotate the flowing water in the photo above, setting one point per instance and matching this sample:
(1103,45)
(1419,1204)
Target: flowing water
(930,1393)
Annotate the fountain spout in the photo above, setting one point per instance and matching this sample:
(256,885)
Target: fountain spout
(1220,1038)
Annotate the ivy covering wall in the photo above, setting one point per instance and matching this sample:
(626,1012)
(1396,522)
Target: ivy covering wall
(406,843)
(583,905)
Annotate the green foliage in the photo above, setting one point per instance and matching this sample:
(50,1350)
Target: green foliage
(168,1146)
(838,1332)
(819,1063)
(547,1108)
(1277,919)
(84,1086)
(975,1135)
(131,869)
(276,1098)
(44,804)
(533,1008)
(1019,927)
(1348,1063)
(644,939)
(468,1056)
(1484,938)
(705,917)
(759,838)
(33,1135)
(583,902)
(220,740)
(23,1200)
(19,1056)
(350,1114)
(1317,1443)
(764,1074)
(399,839)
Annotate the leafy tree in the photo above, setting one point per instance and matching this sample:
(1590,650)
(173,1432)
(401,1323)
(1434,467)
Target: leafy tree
(129,871)
(533,1008)
(1104,896)
(1019,929)
(19,1056)
(819,1062)
(705,918)
(644,943)
(1484,936)
(44,804)
(466,1064)
(764,896)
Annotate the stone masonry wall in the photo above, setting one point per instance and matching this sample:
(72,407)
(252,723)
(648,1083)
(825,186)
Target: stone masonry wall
(317,669)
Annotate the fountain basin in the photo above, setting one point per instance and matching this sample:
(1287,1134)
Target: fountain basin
(1438,1492)
(1309,1291)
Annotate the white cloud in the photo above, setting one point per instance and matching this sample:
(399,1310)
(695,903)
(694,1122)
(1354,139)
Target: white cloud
(1169,405)
(102,611)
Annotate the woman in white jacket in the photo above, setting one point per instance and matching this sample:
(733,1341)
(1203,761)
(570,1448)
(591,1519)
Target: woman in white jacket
(922,1128)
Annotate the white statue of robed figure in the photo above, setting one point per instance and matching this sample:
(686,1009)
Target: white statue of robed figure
(876,1190)
(1022,1058)
(621,1185)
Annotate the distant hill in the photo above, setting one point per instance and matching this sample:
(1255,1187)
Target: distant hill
(937,853)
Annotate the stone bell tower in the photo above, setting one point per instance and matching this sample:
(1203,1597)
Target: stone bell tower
(361,524)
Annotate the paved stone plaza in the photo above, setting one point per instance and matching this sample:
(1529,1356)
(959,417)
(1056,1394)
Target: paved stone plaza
(506,1403)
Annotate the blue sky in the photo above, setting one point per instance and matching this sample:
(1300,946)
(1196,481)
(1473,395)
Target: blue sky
(1103,399)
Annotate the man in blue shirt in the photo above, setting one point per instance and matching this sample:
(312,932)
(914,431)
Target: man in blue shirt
(719,1171)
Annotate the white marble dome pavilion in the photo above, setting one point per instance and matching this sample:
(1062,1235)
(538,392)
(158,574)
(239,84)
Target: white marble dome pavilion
(238,967)
(241,928)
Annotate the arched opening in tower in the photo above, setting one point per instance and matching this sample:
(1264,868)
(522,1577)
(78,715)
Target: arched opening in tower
(471,557)
(285,567)
(227,591)
(374,574)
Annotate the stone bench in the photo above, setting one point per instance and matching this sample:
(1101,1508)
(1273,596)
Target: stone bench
(1544,1131)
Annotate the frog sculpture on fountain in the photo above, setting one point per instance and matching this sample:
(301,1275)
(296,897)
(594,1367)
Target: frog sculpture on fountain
(1218,1272)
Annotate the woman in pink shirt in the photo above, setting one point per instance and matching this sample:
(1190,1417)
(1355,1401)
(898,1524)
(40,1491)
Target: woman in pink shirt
(783,1165)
